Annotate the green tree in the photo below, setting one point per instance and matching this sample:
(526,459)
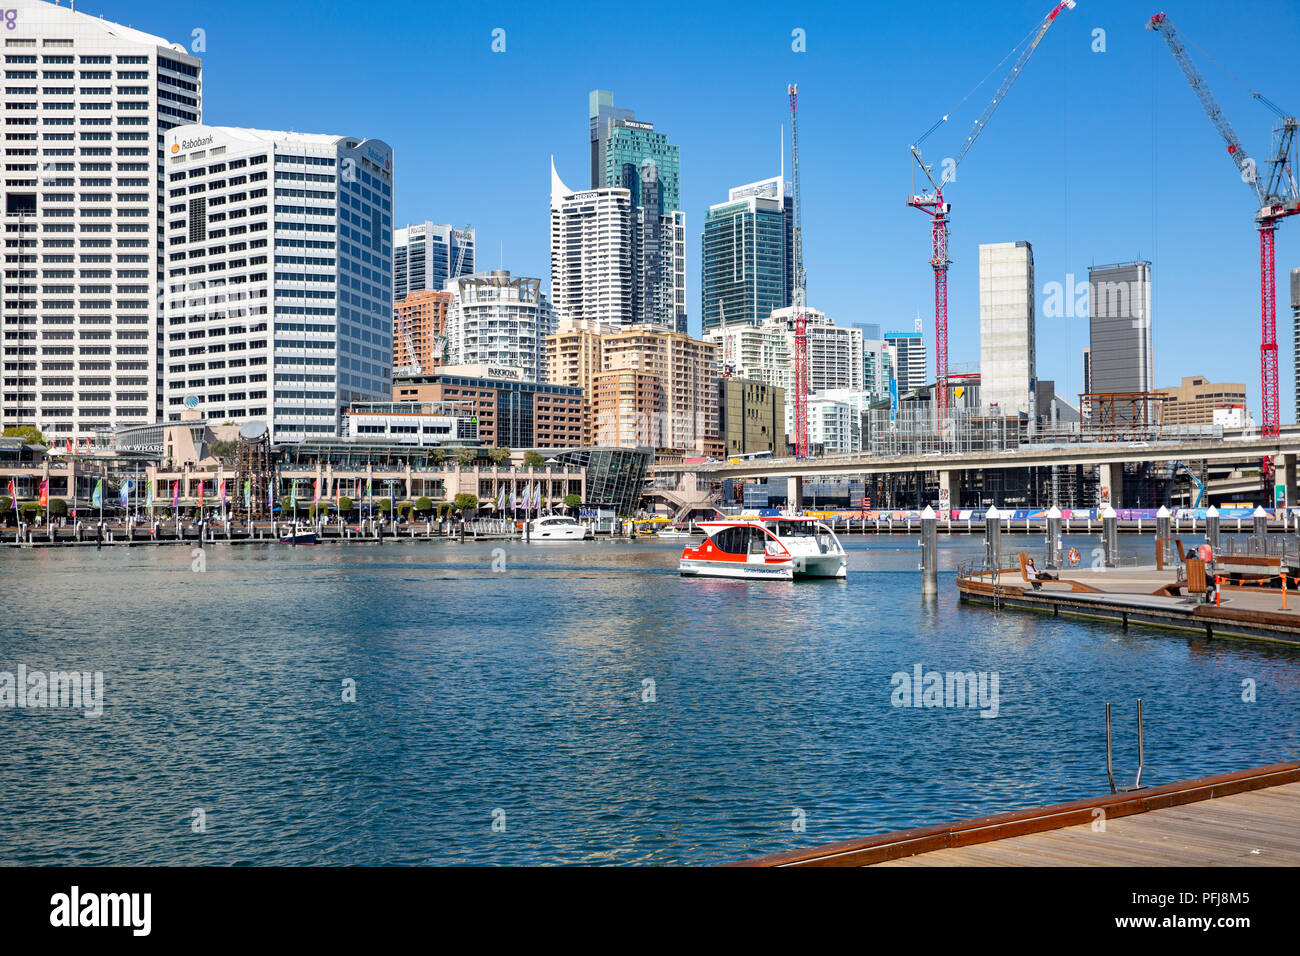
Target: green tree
(464,501)
(58,507)
(384,505)
(534,459)
(424,505)
(28,433)
(345,504)
(499,456)
(572,502)
(437,456)
(405,509)
(225,450)
(466,456)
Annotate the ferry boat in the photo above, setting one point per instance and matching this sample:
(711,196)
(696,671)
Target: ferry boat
(779,548)
(298,537)
(557,528)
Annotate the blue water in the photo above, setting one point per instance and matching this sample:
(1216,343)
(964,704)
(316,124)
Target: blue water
(517,696)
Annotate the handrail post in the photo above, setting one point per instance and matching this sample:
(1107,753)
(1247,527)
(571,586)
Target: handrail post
(1141,754)
(1110,772)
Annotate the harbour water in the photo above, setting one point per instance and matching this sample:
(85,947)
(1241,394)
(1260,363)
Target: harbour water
(567,704)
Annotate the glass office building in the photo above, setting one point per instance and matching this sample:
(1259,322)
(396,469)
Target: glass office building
(747,255)
(615,476)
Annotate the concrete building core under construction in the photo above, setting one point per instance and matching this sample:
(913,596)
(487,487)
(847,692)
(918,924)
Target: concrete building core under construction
(1119,323)
(1007,355)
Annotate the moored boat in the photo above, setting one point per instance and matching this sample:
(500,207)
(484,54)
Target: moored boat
(557,528)
(782,548)
(298,537)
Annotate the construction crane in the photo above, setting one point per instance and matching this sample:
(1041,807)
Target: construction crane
(934,205)
(800,292)
(1276,197)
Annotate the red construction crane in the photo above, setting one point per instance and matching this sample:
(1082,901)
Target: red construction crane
(1276,197)
(933,205)
(800,293)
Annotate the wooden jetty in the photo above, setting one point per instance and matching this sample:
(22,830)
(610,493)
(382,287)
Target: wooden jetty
(1250,604)
(1246,818)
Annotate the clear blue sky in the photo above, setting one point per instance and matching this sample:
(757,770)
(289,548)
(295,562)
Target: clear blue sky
(1093,158)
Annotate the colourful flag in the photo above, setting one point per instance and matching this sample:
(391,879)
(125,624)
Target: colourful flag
(176,495)
(68,442)
(13,495)
(501,498)
(248,493)
(200,494)
(222,492)
(514,499)
(537,497)
(293,497)
(370,489)
(149,496)
(97,496)
(315,491)
(124,492)
(45,493)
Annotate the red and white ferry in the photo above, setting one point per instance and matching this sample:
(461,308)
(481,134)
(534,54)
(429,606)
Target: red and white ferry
(778,548)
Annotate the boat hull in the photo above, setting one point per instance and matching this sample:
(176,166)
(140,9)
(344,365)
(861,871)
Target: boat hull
(821,566)
(742,570)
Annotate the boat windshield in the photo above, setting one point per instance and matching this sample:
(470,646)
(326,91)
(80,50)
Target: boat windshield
(558,521)
(793,529)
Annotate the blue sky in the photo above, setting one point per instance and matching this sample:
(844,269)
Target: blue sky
(1094,157)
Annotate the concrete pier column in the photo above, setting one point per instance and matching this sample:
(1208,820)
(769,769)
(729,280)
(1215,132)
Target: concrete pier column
(1287,472)
(993,537)
(1110,536)
(1054,537)
(929,553)
(794,492)
(1112,478)
(948,492)
(1212,528)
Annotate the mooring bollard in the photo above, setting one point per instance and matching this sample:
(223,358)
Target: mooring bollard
(1110,536)
(1212,528)
(993,538)
(1162,531)
(1260,520)
(929,552)
(1054,537)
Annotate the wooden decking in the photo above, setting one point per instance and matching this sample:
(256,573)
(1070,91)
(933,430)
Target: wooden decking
(1246,818)
(1261,828)
(1141,596)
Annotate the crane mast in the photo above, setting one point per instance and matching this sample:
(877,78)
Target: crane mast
(1276,197)
(933,204)
(800,292)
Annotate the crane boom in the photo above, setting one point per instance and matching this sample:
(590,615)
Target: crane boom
(800,291)
(1006,86)
(1236,152)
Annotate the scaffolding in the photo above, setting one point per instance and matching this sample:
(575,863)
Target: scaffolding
(255,475)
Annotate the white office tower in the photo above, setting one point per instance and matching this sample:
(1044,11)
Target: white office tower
(591,254)
(86,103)
(1007,377)
(497,319)
(427,254)
(279,278)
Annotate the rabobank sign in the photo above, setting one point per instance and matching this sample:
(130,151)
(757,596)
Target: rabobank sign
(185,144)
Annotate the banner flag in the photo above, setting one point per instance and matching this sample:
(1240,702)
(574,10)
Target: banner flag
(97,496)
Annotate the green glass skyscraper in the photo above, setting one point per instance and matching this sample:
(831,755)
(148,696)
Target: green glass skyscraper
(747,257)
(632,155)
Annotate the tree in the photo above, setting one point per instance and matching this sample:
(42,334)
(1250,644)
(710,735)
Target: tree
(464,501)
(345,504)
(58,507)
(424,505)
(437,456)
(572,502)
(534,459)
(28,433)
(225,450)
(466,456)
(499,456)
(384,505)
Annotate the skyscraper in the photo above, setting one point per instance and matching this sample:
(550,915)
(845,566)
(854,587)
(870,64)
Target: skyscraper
(908,359)
(425,257)
(86,104)
(497,319)
(591,254)
(279,297)
(1007,347)
(632,155)
(747,256)
(1119,323)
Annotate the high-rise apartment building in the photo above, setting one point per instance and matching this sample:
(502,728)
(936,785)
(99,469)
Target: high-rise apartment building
(86,104)
(747,255)
(420,332)
(1295,336)
(591,254)
(632,155)
(279,297)
(1119,322)
(908,359)
(765,352)
(1007,347)
(684,371)
(497,319)
(427,254)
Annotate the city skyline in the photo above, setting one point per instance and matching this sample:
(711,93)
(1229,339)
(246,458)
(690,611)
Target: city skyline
(1101,204)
